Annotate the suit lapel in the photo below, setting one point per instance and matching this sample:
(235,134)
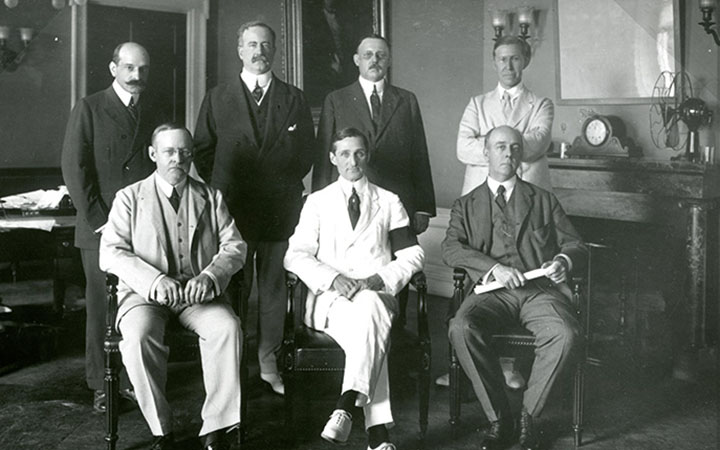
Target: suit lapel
(481,199)
(197,203)
(278,110)
(362,110)
(149,205)
(237,107)
(523,105)
(523,201)
(115,109)
(390,102)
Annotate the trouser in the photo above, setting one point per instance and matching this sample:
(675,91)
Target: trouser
(362,328)
(271,297)
(544,311)
(145,356)
(95,311)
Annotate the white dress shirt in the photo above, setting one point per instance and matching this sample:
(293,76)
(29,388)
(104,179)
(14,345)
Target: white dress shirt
(251,80)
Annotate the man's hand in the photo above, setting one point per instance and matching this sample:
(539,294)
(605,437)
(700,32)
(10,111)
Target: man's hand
(169,292)
(372,283)
(347,287)
(556,271)
(509,277)
(198,288)
(420,222)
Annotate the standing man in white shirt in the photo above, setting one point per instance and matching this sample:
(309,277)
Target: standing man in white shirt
(510,103)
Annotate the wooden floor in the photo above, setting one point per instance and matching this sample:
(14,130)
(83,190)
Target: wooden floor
(45,405)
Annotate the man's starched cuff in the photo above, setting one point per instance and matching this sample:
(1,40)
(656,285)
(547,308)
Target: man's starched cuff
(566,259)
(489,273)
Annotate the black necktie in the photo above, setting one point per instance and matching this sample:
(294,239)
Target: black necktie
(175,200)
(375,105)
(354,208)
(500,198)
(257,93)
(132,109)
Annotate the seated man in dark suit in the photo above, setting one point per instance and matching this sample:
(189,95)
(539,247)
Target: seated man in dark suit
(499,231)
(174,245)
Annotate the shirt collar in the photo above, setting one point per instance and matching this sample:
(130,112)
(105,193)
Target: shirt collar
(166,188)
(124,95)
(513,92)
(493,184)
(367,86)
(347,186)
(250,79)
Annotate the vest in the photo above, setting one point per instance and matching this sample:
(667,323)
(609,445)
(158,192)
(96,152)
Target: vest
(177,235)
(258,113)
(504,247)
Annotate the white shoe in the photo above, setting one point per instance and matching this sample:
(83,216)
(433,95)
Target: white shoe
(443,380)
(337,429)
(275,382)
(384,446)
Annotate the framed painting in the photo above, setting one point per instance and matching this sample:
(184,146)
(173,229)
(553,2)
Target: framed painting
(613,51)
(322,38)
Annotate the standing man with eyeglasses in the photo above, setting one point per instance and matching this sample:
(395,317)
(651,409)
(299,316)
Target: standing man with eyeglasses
(254,142)
(390,119)
(104,150)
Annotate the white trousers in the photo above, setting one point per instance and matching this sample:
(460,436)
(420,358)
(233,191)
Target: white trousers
(145,356)
(362,328)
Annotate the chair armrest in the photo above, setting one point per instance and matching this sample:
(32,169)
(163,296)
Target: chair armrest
(111,284)
(458,296)
(291,281)
(419,282)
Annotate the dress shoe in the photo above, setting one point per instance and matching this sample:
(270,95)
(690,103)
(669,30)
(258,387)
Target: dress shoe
(129,396)
(514,380)
(275,382)
(498,436)
(166,442)
(384,446)
(443,380)
(528,434)
(99,403)
(337,429)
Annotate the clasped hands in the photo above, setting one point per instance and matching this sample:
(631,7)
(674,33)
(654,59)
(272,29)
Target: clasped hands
(171,292)
(512,278)
(348,287)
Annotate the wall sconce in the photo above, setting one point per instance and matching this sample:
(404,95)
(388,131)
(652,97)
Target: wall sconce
(524,18)
(707,7)
(9,59)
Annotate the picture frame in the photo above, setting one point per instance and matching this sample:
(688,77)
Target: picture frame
(640,39)
(321,40)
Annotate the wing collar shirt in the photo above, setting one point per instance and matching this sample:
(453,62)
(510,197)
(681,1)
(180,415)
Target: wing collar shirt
(514,92)
(124,95)
(251,80)
(367,88)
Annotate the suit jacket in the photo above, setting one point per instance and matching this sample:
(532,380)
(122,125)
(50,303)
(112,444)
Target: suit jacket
(542,231)
(103,151)
(532,116)
(398,151)
(134,244)
(262,184)
(325,245)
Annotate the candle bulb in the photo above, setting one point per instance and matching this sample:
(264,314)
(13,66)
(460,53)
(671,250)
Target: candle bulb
(525,14)
(26,34)
(707,4)
(4,33)
(498,18)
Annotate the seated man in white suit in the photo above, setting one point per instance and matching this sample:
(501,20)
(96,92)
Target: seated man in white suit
(343,250)
(175,247)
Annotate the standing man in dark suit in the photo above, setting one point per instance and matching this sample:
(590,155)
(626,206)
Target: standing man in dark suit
(390,119)
(254,142)
(499,231)
(104,150)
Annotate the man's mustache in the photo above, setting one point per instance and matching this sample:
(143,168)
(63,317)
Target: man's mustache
(256,58)
(136,83)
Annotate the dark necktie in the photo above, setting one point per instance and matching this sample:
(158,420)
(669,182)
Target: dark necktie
(132,109)
(257,93)
(375,105)
(354,208)
(175,200)
(500,197)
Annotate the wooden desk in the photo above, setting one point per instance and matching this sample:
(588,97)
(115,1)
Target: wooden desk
(682,195)
(58,244)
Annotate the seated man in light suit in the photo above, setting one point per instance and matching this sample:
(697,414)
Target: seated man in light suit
(175,247)
(343,250)
(499,231)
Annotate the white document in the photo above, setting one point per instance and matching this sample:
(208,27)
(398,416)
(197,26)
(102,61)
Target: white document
(495,285)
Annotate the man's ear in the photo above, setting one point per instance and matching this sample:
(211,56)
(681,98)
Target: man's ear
(151,153)
(356,59)
(333,158)
(113,68)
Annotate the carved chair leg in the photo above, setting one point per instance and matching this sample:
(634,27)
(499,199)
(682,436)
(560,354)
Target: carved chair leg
(112,397)
(424,390)
(455,390)
(578,403)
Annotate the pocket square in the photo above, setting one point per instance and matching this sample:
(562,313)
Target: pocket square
(292,127)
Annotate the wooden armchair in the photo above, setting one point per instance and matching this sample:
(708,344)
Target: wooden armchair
(177,338)
(518,342)
(307,352)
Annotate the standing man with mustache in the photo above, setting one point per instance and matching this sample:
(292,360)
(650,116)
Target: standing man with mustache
(390,119)
(103,151)
(254,142)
